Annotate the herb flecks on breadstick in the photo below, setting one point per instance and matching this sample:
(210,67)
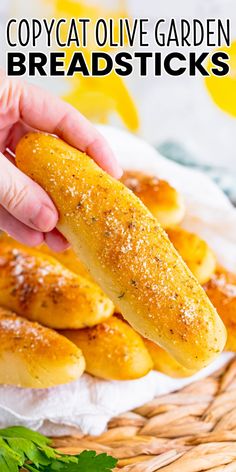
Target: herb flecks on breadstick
(119,241)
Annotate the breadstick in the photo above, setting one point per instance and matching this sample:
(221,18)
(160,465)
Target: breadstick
(221,290)
(39,288)
(112,350)
(126,250)
(164,363)
(163,201)
(195,252)
(69,259)
(35,357)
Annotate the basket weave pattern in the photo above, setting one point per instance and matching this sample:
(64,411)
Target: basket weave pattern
(191,430)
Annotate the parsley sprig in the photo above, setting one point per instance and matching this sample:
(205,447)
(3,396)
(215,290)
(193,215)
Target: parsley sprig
(21,447)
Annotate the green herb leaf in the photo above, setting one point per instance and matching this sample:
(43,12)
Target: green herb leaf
(21,447)
(7,464)
(21,432)
(87,461)
(97,463)
(10,461)
(28,450)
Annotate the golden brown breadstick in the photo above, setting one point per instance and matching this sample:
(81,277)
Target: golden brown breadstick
(69,259)
(35,357)
(164,202)
(164,363)
(39,288)
(221,290)
(126,250)
(112,350)
(198,256)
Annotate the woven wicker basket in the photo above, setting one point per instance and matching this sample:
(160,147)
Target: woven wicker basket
(191,430)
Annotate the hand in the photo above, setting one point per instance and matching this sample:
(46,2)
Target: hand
(26,211)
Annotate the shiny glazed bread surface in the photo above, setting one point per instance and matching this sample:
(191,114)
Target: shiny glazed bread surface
(41,289)
(33,356)
(112,350)
(163,201)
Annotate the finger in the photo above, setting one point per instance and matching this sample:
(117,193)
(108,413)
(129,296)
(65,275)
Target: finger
(25,199)
(56,241)
(54,116)
(9,155)
(18,230)
(17,131)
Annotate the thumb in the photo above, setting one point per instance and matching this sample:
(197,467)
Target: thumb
(24,199)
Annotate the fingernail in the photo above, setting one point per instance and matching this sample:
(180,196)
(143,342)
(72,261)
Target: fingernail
(45,219)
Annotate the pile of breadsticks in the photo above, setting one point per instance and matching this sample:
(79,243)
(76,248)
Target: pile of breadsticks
(126,298)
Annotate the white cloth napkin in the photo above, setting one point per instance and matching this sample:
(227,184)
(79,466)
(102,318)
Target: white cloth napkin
(88,404)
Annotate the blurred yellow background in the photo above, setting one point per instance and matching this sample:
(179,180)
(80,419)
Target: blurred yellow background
(97,97)
(199,113)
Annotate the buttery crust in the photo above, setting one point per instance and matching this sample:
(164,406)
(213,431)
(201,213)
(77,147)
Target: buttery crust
(195,252)
(163,362)
(39,288)
(112,350)
(69,259)
(126,250)
(33,356)
(163,201)
(221,290)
